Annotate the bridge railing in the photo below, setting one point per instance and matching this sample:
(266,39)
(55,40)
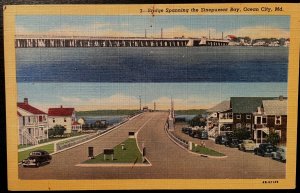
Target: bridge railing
(178,140)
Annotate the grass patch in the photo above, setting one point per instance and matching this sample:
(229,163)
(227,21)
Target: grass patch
(24,154)
(130,155)
(204,150)
(23,146)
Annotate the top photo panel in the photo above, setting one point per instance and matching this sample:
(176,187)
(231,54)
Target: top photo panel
(178,48)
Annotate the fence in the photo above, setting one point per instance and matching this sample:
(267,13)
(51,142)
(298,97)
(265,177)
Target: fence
(178,140)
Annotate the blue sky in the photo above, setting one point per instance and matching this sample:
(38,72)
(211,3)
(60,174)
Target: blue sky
(92,96)
(276,26)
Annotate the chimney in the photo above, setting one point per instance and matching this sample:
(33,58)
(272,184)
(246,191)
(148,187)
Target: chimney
(281,98)
(26,101)
(61,106)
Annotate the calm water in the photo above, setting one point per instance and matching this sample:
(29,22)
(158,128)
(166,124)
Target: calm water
(110,119)
(179,64)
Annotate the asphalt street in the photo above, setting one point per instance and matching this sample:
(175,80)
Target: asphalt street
(168,159)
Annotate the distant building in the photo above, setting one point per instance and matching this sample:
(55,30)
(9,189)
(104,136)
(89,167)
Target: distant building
(32,124)
(145,108)
(271,116)
(65,117)
(81,121)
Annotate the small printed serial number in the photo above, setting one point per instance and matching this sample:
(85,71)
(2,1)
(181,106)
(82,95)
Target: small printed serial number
(270,182)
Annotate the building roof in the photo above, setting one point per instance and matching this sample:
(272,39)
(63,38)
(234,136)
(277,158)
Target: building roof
(60,112)
(25,106)
(76,123)
(275,107)
(223,106)
(247,104)
(19,114)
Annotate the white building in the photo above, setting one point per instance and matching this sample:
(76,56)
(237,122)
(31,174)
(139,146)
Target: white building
(65,117)
(32,123)
(220,120)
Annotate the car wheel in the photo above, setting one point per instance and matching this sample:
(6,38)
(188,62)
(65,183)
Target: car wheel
(255,152)
(24,166)
(244,149)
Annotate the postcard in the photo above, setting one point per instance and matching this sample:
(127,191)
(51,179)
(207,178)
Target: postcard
(185,96)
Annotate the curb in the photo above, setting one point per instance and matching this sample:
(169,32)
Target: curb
(202,155)
(113,165)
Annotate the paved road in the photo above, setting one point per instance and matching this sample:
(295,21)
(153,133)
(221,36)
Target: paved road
(168,160)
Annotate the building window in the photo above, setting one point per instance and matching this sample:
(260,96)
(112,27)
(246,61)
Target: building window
(264,120)
(279,132)
(29,130)
(258,120)
(238,125)
(248,125)
(23,120)
(238,116)
(65,120)
(248,116)
(40,118)
(53,120)
(277,120)
(28,119)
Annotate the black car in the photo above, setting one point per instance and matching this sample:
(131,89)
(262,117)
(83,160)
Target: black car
(265,149)
(36,158)
(186,130)
(202,134)
(221,139)
(232,142)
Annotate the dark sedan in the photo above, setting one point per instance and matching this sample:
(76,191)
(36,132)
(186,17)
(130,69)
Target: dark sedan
(232,142)
(221,139)
(36,158)
(265,149)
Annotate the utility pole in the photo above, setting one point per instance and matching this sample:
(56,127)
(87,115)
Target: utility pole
(209,34)
(222,36)
(140,102)
(161,33)
(145,33)
(154,106)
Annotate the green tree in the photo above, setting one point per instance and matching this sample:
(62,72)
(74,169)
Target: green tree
(56,130)
(242,134)
(273,138)
(198,120)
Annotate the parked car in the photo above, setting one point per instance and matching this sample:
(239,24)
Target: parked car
(279,154)
(221,139)
(265,149)
(232,142)
(187,130)
(202,134)
(36,158)
(247,145)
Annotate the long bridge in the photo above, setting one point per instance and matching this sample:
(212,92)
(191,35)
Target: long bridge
(28,41)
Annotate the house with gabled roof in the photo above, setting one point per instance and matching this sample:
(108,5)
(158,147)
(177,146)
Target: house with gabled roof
(32,123)
(219,121)
(242,110)
(65,117)
(270,116)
